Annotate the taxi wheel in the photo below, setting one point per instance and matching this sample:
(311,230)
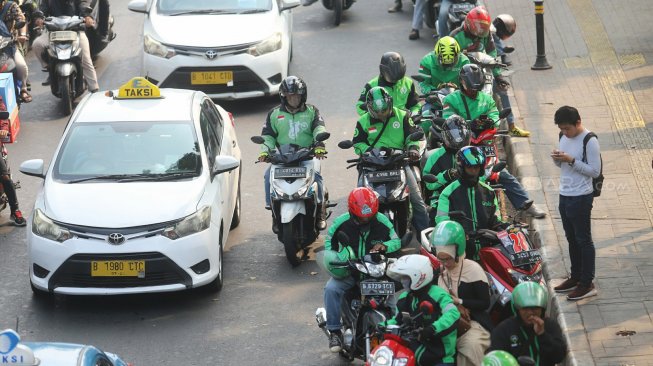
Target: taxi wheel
(216,285)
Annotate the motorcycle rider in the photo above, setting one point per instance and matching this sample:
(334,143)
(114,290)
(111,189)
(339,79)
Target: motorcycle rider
(369,231)
(14,25)
(386,126)
(474,35)
(442,161)
(467,283)
(504,26)
(56,8)
(470,102)
(437,340)
(8,185)
(294,122)
(392,77)
(529,332)
(471,195)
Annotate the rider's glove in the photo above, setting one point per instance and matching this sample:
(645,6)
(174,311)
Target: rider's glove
(413,154)
(428,332)
(451,174)
(320,150)
(264,157)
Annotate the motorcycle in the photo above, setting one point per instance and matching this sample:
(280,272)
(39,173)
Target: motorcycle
(30,9)
(431,12)
(338,7)
(363,306)
(384,171)
(430,120)
(487,63)
(293,191)
(8,65)
(458,12)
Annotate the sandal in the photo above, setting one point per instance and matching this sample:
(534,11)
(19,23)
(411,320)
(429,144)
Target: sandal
(25,96)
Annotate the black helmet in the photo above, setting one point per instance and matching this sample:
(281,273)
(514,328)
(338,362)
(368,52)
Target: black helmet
(470,156)
(505,25)
(392,67)
(455,133)
(472,79)
(292,85)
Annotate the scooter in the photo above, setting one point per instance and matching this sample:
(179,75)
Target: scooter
(431,119)
(458,12)
(293,191)
(338,7)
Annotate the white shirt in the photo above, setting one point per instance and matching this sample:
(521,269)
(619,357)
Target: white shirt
(576,180)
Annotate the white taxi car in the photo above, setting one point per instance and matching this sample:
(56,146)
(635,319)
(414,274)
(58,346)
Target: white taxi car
(229,49)
(140,195)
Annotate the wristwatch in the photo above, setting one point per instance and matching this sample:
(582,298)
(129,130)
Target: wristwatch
(572,162)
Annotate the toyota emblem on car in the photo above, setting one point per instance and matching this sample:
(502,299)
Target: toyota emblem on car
(116,238)
(211,54)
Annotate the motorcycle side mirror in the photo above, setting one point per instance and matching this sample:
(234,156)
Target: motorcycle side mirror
(426,308)
(257,140)
(525,361)
(4,115)
(432,99)
(345,144)
(19,24)
(322,136)
(526,205)
(505,113)
(419,78)
(508,49)
(416,136)
(499,166)
(429,178)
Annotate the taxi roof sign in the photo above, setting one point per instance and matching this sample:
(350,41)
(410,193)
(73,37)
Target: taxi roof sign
(14,353)
(138,88)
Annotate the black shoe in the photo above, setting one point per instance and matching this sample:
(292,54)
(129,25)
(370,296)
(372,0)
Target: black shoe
(47,81)
(395,8)
(414,34)
(275,226)
(335,341)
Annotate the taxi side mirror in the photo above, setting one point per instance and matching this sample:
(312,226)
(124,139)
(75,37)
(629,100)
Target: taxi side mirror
(223,164)
(32,167)
(138,6)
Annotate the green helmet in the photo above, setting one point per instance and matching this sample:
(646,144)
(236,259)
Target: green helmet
(345,254)
(529,294)
(379,103)
(449,233)
(499,358)
(447,51)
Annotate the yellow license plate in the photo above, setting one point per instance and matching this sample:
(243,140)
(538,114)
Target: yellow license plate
(211,77)
(118,268)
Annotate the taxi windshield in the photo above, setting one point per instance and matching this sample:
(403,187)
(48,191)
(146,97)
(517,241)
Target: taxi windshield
(186,7)
(128,149)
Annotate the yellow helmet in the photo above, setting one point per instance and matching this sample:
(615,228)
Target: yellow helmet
(447,51)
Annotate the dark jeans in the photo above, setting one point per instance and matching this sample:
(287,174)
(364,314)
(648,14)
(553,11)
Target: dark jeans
(8,186)
(576,213)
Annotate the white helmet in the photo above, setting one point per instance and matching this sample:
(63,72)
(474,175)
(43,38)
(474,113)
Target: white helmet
(414,271)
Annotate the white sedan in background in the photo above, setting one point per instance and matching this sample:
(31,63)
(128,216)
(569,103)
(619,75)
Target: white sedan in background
(140,195)
(229,49)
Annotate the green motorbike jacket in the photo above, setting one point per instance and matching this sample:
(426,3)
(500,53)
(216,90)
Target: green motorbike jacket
(444,319)
(479,204)
(403,94)
(438,163)
(395,135)
(380,229)
(482,105)
(469,43)
(436,74)
(300,128)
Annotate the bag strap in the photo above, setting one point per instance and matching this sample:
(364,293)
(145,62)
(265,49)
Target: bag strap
(469,115)
(585,141)
(378,137)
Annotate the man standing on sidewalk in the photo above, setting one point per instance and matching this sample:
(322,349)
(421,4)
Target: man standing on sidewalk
(578,165)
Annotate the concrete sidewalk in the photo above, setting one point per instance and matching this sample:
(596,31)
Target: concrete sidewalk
(602,56)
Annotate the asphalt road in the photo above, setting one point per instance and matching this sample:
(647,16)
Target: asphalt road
(265,313)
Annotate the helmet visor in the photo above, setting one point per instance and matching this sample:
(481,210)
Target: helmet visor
(294,100)
(381,114)
(456,138)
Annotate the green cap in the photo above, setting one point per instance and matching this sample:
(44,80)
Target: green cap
(529,294)
(449,233)
(499,358)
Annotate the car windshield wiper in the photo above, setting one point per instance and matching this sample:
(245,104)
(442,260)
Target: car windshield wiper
(159,176)
(203,11)
(252,11)
(110,177)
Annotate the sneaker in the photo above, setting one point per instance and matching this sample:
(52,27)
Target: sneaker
(536,212)
(335,341)
(566,286)
(582,292)
(275,226)
(395,8)
(414,34)
(47,81)
(518,132)
(17,218)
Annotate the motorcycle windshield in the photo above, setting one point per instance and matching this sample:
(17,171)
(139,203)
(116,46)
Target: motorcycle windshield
(290,154)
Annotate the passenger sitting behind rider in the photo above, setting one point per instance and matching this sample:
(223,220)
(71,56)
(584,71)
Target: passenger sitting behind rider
(15,25)
(369,231)
(56,8)
(437,341)
(472,196)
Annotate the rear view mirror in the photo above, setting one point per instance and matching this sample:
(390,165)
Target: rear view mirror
(138,6)
(4,115)
(505,113)
(322,136)
(419,78)
(257,140)
(345,144)
(429,178)
(499,166)
(416,136)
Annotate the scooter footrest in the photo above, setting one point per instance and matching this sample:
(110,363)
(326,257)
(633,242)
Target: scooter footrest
(332,204)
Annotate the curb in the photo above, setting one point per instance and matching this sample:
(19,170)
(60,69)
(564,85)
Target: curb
(522,165)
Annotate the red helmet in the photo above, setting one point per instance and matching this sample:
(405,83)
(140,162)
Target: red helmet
(363,203)
(477,22)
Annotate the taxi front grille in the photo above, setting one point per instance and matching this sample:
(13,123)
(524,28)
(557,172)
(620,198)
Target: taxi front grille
(159,271)
(244,80)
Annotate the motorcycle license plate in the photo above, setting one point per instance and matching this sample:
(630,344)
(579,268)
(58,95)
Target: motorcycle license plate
(118,268)
(63,36)
(462,7)
(377,288)
(211,77)
(384,176)
(525,258)
(295,172)
(488,150)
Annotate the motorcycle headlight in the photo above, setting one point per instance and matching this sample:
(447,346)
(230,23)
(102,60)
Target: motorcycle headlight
(271,44)
(44,227)
(382,357)
(195,223)
(376,270)
(153,47)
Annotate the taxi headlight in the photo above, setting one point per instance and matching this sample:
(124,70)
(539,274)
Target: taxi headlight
(44,227)
(195,223)
(153,47)
(271,44)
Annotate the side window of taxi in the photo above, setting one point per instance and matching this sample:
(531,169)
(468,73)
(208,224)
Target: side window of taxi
(209,137)
(215,119)
(102,361)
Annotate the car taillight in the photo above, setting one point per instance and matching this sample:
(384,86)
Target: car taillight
(231,117)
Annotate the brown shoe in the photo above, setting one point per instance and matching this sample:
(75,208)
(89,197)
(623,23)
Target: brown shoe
(582,292)
(566,286)
(414,34)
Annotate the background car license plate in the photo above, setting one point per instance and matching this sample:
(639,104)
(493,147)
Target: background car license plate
(462,7)
(525,258)
(488,150)
(384,176)
(117,268)
(377,288)
(211,77)
(298,172)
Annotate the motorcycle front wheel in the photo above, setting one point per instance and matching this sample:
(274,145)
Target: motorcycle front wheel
(67,93)
(338,8)
(289,237)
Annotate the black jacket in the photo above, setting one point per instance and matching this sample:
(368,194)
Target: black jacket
(511,336)
(56,8)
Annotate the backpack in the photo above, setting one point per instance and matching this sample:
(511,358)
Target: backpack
(597,183)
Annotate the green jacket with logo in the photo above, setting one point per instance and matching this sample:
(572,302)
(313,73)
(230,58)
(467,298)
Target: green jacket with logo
(437,164)
(380,230)
(479,204)
(473,44)
(394,136)
(282,127)
(483,104)
(403,94)
(436,74)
